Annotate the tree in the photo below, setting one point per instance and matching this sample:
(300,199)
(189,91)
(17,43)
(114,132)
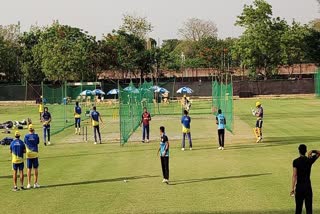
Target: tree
(195,29)
(30,68)
(11,32)
(312,50)
(293,44)
(315,24)
(126,51)
(9,52)
(136,25)
(259,45)
(65,53)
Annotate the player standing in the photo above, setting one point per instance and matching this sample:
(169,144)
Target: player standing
(301,183)
(221,122)
(40,106)
(164,155)
(46,120)
(259,114)
(77,118)
(95,118)
(31,142)
(145,122)
(17,148)
(185,121)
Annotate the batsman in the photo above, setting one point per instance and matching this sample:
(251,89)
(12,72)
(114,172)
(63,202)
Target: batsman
(258,112)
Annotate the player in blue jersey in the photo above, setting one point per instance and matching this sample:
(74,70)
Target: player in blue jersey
(221,122)
(77,118)
(31,142)
(46,120)
(185,121)
(164,155)
(95,118)
(17,149)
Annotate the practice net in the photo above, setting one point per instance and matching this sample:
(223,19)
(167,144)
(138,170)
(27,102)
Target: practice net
(132,100)
(222,98)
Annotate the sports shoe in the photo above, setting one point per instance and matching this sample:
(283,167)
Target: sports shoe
(259,140)
(182,149)
(164,180)
(167,181)
(95,143)
(36,185)
(28,186)
(220,148)
(22,188)
(142,141)
(45,143)
(190,149)
(15,189)
(148,141)
(49,143)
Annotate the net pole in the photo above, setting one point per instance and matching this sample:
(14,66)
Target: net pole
(120,124)
(26,91)
(225,94)
(232,103)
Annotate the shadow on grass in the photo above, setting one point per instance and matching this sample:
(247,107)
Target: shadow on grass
(270,142)
(97,153)
(5,176)
(101,181)
(240,212)
(179,182)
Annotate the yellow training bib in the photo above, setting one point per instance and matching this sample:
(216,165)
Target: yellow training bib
(185,130)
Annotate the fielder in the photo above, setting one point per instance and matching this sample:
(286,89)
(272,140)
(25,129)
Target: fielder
(77,118)
(258,112)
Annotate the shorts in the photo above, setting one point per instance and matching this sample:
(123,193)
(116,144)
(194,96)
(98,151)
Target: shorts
(259,123)
(18,166)
(32,163)
(77,120)
(185,130)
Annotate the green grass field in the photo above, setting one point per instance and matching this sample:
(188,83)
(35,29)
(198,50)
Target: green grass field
(78,177)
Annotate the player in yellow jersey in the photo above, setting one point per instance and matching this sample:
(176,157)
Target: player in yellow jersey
(258,112)
(17,149)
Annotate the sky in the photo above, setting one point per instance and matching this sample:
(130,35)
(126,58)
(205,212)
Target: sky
(100,17)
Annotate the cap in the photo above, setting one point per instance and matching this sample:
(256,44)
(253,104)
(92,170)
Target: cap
(30,127)
(258,104)
(17,133)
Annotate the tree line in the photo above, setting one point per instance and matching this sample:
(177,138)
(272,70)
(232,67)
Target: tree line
(61,52)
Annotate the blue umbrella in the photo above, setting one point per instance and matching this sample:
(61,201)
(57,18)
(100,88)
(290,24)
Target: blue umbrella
(184,90)
(161,90)
(113,91)
(86,93)
(98,92)
(155,87)
(131,89)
